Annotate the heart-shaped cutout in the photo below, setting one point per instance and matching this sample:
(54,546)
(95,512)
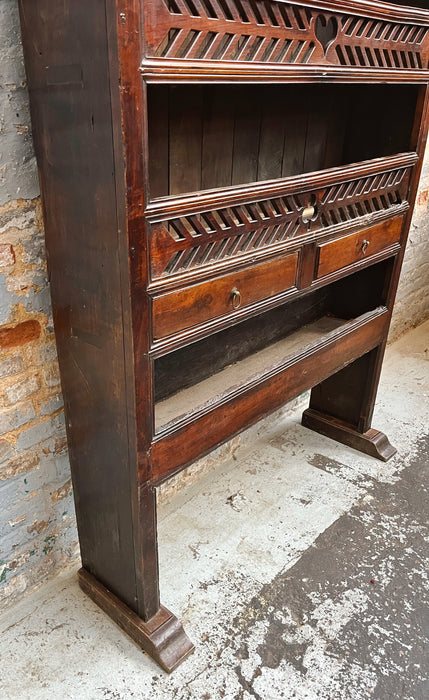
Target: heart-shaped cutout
(326,31)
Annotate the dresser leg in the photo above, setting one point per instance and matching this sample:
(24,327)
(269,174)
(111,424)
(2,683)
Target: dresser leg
(162,636)
(341,407)
(372,442)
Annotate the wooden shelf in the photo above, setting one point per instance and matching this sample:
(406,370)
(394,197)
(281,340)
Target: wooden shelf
(170,71)
(328,345)
(184,405)
(195,202)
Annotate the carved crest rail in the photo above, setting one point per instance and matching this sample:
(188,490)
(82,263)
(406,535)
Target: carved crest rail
(205,236)
(263,31)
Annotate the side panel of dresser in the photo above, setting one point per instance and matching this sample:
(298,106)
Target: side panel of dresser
(66,55)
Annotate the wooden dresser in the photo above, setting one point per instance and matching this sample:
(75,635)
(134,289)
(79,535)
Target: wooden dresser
(227,189)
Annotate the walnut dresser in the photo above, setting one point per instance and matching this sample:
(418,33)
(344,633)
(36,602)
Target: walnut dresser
(227,189)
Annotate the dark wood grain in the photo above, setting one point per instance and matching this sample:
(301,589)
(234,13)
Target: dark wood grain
(229,134)
(174,451)
(184,141)
(193,305)
(158,127)
(162,636)
(333,397)
(72,131)
(235,343)
(134,174)
(347,250)
(372,442)
(217,139)
(247,126)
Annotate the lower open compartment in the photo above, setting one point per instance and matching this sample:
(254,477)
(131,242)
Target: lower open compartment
(196,378)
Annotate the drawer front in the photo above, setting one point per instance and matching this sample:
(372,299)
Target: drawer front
(198,303)
(355,247)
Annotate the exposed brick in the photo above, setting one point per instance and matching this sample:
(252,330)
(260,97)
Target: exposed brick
(7,256)
(52,377)
(19,465)
(423,197)
(34,248)
(62,492)
(51,406)
(21,390)
(60,445)
(13,365)
(56,447)
(20,334)
(22,218)
(52,428)
(5,450)
(48,354)
(18,561)
(15,418)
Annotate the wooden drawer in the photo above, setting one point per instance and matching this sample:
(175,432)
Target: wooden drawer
(198,303)
(341,252)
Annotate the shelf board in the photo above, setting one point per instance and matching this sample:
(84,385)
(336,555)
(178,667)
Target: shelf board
(195,202)
(197,432)
(211,390)
(203,71)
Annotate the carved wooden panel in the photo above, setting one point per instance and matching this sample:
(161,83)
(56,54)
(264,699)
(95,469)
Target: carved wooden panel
(180,243)
(279,32)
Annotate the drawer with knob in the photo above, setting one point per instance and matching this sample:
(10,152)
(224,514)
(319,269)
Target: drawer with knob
(198,303)
(355,247)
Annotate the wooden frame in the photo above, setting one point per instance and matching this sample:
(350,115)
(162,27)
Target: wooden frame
(118,254)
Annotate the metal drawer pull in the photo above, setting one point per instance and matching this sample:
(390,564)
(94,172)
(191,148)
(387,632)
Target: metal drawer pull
(236,298)
(308,214)
(364,246)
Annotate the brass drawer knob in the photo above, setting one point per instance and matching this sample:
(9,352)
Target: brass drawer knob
(308,214)
(364,246)
(235,298)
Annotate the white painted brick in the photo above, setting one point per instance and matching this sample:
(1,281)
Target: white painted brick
(54,427)
(16,417)
(13,365)
(52,377)
(21,390)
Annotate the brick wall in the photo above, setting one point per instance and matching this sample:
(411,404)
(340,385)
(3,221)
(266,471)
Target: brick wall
(412,301)
(37,524)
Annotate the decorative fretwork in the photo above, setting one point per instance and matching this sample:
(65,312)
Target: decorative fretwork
(363,197)
(193,240)
(372,43)
(278,32)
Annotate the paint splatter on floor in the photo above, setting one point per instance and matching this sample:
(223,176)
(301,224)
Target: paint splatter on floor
(299,569)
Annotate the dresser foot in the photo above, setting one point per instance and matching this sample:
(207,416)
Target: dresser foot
(373,442)
(162,637)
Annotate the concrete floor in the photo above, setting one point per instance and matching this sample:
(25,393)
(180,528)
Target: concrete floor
(297,567)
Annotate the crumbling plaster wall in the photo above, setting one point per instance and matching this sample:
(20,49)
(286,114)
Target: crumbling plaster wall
(37,524)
